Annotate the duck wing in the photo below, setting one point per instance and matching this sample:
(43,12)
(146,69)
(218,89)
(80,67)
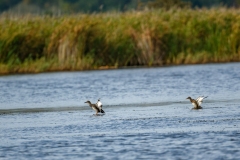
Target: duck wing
(99,105)
(200,99)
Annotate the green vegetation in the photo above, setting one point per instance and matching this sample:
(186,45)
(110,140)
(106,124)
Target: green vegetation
(146,38)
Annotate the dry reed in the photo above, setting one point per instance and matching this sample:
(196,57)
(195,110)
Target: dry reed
(147,38)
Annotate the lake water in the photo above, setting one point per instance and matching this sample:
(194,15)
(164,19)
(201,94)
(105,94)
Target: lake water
(43,116)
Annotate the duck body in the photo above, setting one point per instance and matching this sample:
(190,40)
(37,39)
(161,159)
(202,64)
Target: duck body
(99,105)
(196,103)
(94,107)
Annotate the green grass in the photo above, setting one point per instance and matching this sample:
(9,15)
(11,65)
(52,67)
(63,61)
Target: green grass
(147,38)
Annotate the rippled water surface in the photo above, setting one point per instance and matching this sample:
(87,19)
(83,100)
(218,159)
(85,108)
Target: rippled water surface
(43,116)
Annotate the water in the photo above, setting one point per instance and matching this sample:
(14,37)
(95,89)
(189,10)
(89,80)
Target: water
(43,116)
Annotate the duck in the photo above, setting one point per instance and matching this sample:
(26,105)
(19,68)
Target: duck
(94,107)
(99,105)
(196,103)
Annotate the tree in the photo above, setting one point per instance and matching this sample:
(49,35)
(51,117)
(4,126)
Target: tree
(231,3)
(6,4)
(167,4)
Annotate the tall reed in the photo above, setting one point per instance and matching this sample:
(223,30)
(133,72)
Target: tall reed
(157,37)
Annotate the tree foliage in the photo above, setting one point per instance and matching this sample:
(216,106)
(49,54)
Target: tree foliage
(6,4)
(168,4)
(91,6)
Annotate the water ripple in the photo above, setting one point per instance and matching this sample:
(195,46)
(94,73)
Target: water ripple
(43,116)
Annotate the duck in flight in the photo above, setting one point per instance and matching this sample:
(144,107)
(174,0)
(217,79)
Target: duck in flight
(95,107)
(196,103)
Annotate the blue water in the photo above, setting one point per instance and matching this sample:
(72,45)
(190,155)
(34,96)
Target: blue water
(43,116)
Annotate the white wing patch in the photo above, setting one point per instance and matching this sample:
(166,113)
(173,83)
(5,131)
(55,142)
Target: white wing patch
(99,105)
(200,100)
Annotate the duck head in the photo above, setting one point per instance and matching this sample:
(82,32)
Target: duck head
(88,102)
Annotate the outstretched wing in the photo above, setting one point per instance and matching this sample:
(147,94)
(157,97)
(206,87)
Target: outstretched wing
(200,99)
(99,105)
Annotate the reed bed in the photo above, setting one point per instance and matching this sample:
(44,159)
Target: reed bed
(112,40)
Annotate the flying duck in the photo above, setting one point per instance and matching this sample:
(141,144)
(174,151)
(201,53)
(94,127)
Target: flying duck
(196,103)
(99,105)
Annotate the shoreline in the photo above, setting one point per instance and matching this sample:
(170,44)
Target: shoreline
(104,68)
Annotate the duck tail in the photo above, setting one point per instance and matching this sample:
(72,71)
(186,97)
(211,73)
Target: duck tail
(102,111)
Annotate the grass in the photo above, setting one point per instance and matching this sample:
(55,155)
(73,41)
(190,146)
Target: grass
(148,38)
